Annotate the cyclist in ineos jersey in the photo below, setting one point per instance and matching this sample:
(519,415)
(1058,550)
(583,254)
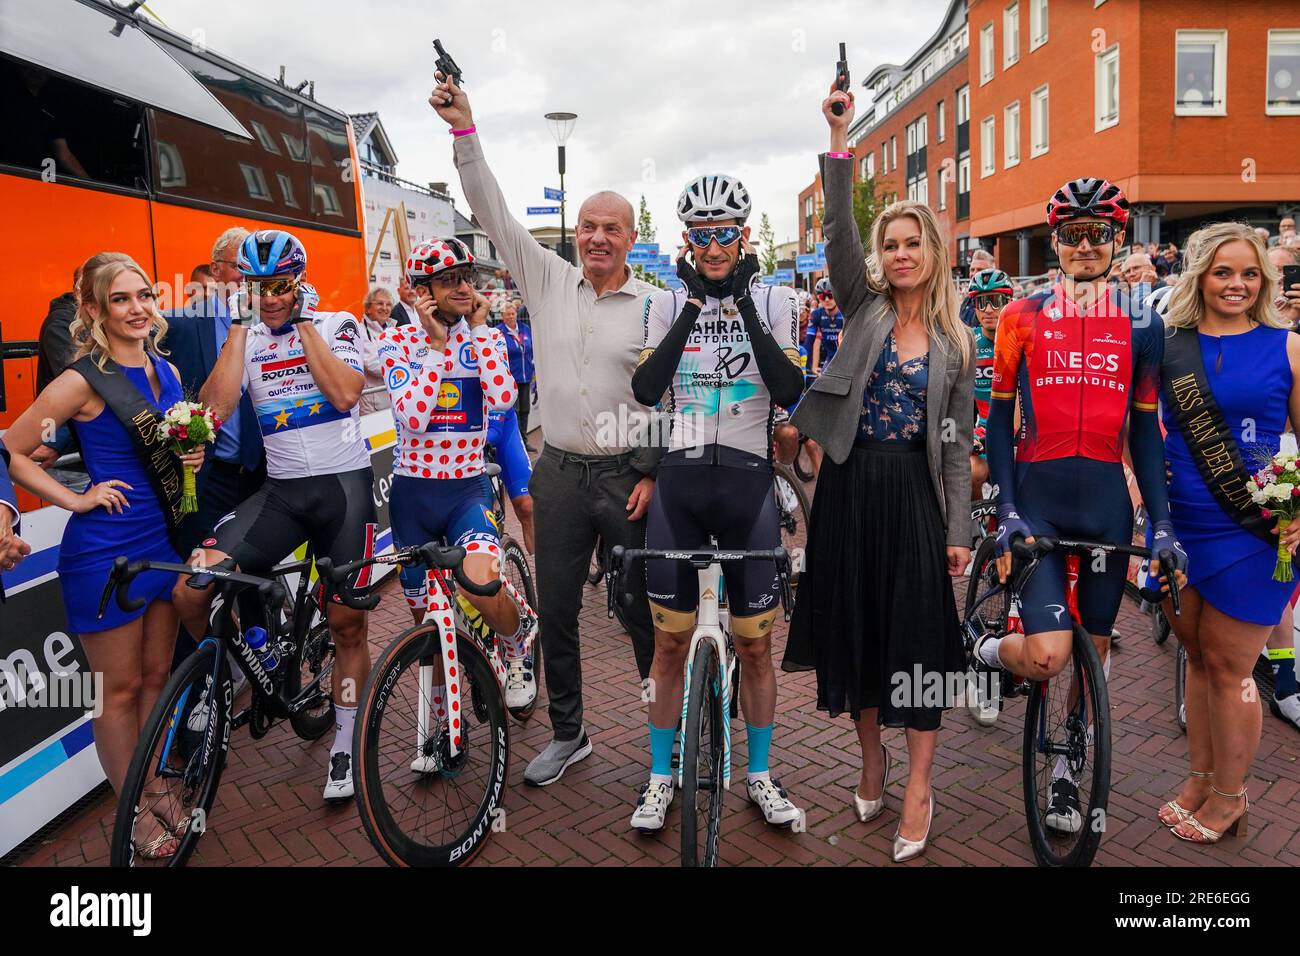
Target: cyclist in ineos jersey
(1084,368)
(725,353)
(303,370)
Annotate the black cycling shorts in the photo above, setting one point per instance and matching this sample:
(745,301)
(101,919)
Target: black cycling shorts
(733,502)
(334,513)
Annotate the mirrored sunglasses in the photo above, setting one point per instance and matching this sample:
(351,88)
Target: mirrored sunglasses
(991,300)
(1097,233)
(272,286)
(701,235)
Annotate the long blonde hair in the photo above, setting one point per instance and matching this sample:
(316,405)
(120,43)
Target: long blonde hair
(942,309)
(1187,305)
(97,277)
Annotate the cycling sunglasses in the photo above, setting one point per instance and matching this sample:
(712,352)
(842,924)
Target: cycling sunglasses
(446,280)
(1097,233)
(991,300)
(272,286)
(825,295)
(701,235)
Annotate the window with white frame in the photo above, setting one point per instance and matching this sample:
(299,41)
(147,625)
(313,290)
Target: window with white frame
(911,138)
(1011,35)
(963,105)
(988,144)
(986,53)
(1200,72)
(867,169)
(884,158)
(943,191)
(1037,23)
(1283,90)
(923,190)
(893,152)
(963,175)
(1011,135)
(1038,142)
(1106,94)
(940,121)
(923,131)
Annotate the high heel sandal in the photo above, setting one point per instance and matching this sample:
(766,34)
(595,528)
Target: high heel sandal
(870,809)
(1179,811)
(1205,835)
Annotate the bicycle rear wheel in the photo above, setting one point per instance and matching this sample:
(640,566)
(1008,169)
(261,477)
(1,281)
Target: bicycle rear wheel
(802,465)
(434,817)
(792,512)
(986,613)
(515,565)
(1067,731)
(702,788)
(177,764)
(597,569)
(312,664)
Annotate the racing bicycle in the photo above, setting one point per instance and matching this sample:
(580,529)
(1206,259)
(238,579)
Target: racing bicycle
(710,691)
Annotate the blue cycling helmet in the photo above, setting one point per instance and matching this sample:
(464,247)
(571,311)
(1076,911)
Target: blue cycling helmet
(271,252)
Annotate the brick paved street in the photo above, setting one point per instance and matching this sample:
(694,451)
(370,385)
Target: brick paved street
(269,810)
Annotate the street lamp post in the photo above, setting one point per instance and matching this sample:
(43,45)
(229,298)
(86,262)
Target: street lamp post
(561,126)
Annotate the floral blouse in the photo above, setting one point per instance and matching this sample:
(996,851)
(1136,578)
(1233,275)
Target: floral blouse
(893,405)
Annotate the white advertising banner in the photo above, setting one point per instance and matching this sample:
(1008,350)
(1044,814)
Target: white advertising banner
(426,218)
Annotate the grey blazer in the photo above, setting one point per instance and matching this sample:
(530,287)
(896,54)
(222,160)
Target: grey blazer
(830,410)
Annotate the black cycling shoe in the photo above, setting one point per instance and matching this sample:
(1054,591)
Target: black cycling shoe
(1063,812)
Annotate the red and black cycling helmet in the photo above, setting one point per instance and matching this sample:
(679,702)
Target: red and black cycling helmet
(430,258)
(1088,197)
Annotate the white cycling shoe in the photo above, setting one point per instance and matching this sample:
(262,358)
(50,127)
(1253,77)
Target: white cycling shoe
(521,684)
(652,807)
(338,785)
(771,799)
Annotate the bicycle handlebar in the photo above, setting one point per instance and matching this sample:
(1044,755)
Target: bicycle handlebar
(125,571)
(1045,543)
(432,555)
(621,558)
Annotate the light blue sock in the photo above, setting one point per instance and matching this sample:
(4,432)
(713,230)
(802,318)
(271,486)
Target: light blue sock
(661,750)
(760,742)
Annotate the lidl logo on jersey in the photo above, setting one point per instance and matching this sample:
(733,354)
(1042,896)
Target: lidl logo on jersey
(448,395)
(459,406)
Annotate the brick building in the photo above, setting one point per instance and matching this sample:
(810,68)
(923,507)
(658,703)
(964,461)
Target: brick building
(1193,109)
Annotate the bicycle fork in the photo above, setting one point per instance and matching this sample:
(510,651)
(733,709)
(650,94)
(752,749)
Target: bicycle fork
(708,627)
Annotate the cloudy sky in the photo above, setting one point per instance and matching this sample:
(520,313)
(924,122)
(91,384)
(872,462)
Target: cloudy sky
(663,91)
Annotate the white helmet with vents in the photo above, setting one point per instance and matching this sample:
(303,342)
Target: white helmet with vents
(713,197)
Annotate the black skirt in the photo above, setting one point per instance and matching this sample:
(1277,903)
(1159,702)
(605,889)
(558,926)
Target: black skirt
(875,613)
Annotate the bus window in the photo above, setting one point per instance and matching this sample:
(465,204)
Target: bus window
(62,129)
(332,171)
(265,176)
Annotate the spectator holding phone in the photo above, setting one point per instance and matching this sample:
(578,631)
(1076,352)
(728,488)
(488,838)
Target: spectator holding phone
(1287,261)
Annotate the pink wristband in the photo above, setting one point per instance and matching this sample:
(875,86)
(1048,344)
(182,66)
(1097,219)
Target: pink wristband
(462,132)
(839,155)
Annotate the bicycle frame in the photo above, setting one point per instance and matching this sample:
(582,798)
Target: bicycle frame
(711,624)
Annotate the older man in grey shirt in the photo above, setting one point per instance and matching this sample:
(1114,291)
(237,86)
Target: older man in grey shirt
(591,478)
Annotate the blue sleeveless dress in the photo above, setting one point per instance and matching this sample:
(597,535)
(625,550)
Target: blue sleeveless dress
(91,541)
(1231,568)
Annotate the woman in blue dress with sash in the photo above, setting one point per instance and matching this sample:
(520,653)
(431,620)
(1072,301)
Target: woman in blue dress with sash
(1229,381)
(118,376)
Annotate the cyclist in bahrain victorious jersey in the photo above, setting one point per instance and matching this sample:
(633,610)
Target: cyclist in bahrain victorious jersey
(990,290)
(724,351)
(1085,367)
(303,371)
(444,378)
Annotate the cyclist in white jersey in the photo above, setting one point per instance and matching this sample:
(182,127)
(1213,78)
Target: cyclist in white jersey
(303,371)
(724,352)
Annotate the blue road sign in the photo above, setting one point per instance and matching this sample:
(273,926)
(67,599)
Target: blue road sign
(783,276)
(552,193)
(769,280)
(808,263)
(650,247)
(542,210)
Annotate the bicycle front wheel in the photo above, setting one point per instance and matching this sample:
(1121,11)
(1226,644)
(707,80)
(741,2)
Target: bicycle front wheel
(1066,759)
(702,755)
(419,804)
(515,565)
(176,768)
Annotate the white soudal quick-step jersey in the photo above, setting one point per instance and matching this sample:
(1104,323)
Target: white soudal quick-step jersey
(304,434)
(717,395)
(441,400)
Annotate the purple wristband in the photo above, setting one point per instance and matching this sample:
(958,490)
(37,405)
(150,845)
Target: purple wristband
(839,155)
(462,132)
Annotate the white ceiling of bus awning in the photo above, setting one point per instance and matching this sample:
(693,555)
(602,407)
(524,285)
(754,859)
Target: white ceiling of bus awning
(77,40)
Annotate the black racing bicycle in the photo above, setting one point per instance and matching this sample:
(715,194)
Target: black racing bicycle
(178,761)
(1067,716)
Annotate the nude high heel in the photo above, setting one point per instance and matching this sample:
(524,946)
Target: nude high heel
(870,809)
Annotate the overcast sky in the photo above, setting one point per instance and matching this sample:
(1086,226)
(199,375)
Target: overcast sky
(663,91)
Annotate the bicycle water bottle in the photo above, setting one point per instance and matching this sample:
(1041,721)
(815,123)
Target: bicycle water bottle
(256,638)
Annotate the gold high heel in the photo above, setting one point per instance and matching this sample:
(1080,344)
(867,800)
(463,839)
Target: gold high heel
(905,849)
(1205,835)
(1179,811)
(870,809)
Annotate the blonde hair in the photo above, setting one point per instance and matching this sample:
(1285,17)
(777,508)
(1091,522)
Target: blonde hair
(1187,304)
(942,309)
(97,277)
(231,239)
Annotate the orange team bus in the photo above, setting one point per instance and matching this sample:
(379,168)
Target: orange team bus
(122,135)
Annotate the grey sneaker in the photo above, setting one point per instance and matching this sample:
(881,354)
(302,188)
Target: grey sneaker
(559,755)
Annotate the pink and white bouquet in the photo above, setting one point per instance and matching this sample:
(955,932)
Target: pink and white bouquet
(184,427)
(1276,489)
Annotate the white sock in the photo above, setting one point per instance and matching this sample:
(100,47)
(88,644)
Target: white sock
(664,778)
(344,718)
(514,645)
(989,652)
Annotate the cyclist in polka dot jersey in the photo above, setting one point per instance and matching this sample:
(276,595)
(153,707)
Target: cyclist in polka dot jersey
(444,377)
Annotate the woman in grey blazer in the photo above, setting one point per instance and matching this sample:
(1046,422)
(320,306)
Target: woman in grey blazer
(890,523)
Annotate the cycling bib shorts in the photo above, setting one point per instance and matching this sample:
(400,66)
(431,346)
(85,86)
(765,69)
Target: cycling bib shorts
(516,467)
(456,510)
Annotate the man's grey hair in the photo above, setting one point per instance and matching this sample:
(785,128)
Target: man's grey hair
(1138,259)
(229,240)
(370,296)
(981,255)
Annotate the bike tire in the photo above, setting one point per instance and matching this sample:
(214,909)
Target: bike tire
(400,836)
(199,780)
(1160,629)
(802,464)
(597,571)
(983,578)
(1085,666)
(1180,687)
(515,564)
(703,743)
(316,656)
(794,524)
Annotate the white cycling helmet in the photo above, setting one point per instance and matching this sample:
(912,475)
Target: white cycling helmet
(713,197)
(1159,300)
